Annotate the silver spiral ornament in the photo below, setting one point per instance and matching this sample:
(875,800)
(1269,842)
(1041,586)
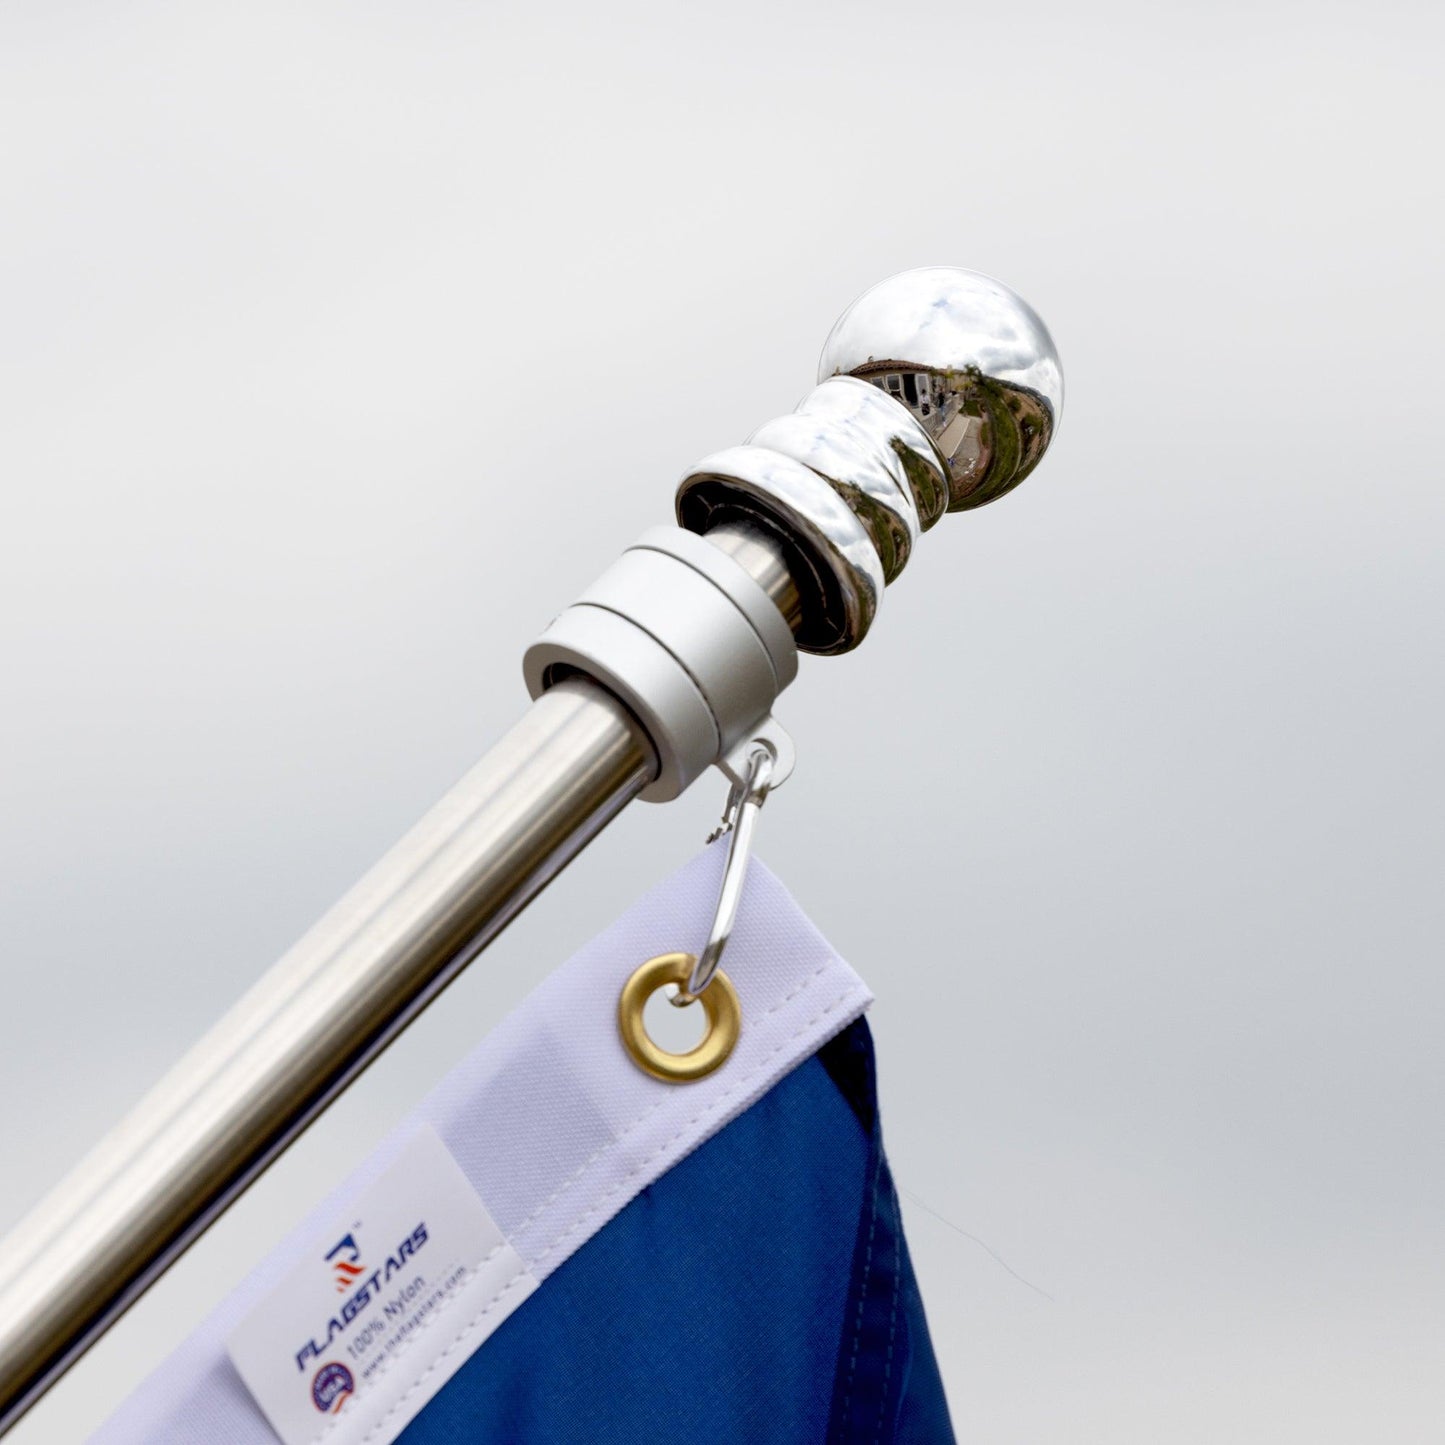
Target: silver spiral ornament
(940,390)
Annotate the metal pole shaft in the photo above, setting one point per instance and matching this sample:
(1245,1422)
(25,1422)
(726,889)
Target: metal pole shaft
(309,1026)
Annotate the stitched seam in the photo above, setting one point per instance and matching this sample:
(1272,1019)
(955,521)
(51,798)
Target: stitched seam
(465,1330)
(651,1109)
(703,1112)
(892,1313)
(336,1421)
(862,1301)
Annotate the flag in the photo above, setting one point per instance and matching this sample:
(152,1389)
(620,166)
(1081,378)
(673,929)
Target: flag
(559,1248)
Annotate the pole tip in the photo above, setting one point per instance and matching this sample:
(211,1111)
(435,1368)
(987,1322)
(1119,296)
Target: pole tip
(970,359)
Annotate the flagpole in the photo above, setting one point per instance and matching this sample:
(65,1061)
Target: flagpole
(940,391)
(311,1024)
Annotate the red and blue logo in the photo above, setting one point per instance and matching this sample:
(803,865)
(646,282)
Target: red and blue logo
(332,1387)
(361,1284)
(347,1270)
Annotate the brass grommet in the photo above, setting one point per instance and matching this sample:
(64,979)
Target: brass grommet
(719,1001)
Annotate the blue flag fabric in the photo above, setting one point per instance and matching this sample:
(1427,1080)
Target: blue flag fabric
(760,1291)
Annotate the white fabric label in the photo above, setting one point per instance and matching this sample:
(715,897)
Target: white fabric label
(418,1258)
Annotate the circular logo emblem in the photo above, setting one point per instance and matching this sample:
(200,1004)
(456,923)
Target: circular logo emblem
(333,1383)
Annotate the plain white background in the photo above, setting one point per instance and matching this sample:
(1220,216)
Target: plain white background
(342,344)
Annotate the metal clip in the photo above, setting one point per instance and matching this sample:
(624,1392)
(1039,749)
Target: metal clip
(740,815)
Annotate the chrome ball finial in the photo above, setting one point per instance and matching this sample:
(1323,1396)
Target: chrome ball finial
(970,359)
(938,390)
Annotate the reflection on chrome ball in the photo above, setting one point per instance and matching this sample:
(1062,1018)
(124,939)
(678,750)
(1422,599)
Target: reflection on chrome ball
(970,359)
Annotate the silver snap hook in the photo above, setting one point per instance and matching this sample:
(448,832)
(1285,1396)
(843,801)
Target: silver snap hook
(745,799)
